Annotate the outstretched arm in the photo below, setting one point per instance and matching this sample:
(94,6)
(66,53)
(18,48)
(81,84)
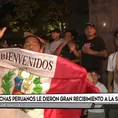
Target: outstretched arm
(41,39)
(87,50)
(2,31)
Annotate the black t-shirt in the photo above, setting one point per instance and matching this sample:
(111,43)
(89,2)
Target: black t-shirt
(66,53)
(82,40)
(91,61)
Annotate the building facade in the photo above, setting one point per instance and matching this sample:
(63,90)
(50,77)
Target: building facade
(103,13)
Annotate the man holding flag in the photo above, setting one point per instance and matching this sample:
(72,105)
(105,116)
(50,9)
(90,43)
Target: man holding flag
(37,73)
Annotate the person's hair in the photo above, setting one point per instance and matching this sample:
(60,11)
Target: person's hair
(33,37)
(70,31)
(94,70)
(115,34)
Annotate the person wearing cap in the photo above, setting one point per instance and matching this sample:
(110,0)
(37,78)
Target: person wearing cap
(93,50)
(55,34)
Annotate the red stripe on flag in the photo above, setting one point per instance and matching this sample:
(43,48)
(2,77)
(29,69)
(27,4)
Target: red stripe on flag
(71,79)
(62,113)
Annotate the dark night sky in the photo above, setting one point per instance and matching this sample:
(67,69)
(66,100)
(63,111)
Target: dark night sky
(79,4)
(79,11)
(4,1)
(78,16)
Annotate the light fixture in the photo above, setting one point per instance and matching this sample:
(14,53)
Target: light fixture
(104,24)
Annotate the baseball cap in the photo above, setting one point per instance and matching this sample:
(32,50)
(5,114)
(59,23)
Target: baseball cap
(55,30)
(90,24)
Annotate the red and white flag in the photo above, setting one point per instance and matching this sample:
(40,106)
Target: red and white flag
(36,73)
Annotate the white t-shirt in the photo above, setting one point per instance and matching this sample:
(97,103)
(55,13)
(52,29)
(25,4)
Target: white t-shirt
(54,45)
(50,48)
(111,68)
(47,48)
(102,89)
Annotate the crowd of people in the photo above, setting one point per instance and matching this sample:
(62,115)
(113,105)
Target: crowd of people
(87,52)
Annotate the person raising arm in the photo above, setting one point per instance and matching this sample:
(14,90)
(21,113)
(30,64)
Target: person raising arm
(2,31)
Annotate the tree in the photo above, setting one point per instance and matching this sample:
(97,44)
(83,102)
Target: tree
(47,13)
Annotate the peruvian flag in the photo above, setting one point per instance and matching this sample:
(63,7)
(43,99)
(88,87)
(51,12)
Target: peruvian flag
(57,76)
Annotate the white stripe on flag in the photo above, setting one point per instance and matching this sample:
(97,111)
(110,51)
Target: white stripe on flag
(6,55)
(33,62)
(37,113)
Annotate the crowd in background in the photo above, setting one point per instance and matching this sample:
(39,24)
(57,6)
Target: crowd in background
(87,51)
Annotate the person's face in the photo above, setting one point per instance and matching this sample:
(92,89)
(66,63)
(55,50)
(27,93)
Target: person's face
(32,44)
(95,77)
(90,31)
(89,77)
(55,35)
(68,36)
